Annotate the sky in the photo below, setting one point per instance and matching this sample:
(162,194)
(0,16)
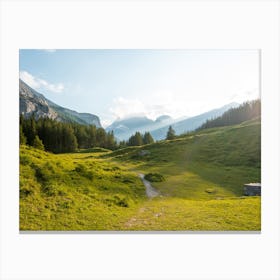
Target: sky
(116,84)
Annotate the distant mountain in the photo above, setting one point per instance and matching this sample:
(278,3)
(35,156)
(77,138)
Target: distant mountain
(247,111)
(192,123)
(163,118)
(33,102)
(124,128)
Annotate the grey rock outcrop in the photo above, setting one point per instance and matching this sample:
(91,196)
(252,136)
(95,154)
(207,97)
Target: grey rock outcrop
(34,103)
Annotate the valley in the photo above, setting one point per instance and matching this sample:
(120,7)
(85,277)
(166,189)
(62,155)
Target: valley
(199,177)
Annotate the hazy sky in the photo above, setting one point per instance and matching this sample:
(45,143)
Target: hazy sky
(121,83)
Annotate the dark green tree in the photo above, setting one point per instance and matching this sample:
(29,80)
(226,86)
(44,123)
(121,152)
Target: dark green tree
(110,141)
(122,144)
(135,140)
(38,144)
(22,138)
(29,130)
(147,138)
(170,133)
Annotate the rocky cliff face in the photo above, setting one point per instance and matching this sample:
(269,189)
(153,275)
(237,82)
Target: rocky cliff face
(32,102)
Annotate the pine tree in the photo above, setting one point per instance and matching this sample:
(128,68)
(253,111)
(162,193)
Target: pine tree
(138,139)
(69,140)
(147,138)
(170,133)
(22,138)
(110,141)
(38,144)
(122,144)
(29,130)
(135,140)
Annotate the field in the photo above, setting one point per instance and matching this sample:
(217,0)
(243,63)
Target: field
(201,188)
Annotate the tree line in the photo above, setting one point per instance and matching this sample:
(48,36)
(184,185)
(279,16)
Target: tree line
(61,137)
(139,139)
(246,111)
(64,137)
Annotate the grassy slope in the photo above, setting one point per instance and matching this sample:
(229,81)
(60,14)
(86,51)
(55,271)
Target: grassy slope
(209,164)
(74,192)
(204,174)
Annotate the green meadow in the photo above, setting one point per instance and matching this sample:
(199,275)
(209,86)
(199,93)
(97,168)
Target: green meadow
(200,186)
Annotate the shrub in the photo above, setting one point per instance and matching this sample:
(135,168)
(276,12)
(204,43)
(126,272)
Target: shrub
(50,190)
(24,160)
(38,144)
(24,192)
(117,200)
(83,171)
(210,190)
(154,177)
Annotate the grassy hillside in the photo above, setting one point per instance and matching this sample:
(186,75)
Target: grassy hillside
(74,192)
(209,164)
(203,175)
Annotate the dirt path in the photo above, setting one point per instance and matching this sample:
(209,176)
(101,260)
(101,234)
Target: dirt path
(150,191)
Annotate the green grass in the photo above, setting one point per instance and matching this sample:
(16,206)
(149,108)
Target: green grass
(187,215)
(74,192)
(201,185)
(222,159)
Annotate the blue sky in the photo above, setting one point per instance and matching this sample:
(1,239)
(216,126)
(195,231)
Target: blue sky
(122,83)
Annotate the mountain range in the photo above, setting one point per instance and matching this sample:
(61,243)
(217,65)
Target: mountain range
(35,103)
(123,129)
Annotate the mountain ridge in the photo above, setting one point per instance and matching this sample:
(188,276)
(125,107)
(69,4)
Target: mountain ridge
(33,102)
(124,128)
(191,123)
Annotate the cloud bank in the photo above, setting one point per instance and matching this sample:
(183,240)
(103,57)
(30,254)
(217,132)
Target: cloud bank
(152,105)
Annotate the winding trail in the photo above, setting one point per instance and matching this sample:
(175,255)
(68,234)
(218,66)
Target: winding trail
(150,191)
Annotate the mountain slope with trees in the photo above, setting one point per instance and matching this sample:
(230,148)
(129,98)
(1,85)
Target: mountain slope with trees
(245,112)
(61,137)
(35,103)
(191,123)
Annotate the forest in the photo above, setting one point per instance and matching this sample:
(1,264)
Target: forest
(64,137)
(246,111)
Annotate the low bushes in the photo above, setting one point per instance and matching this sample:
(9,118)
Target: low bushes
(154,177)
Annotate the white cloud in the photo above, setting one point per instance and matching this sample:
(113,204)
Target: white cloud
(152,105)
(38,83)
(123,107)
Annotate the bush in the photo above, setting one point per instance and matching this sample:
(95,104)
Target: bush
(83,171)
(117,200)
(154,177)
(210,190)
(25,160)
(50,190)
(24,192)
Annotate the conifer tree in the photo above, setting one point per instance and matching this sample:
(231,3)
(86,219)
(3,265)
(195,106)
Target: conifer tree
(30,130)
(170,133)
(110,141)
(135,140)
(38,144)
(138,139)
(22,138)
(147,138)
